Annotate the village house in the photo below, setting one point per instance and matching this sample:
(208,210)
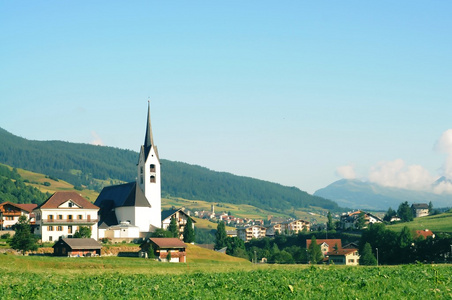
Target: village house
(181,220)
(10,213)
(296,226)
(326,245)
(62,214)
(350,220)
(419,210)
(348,257)
(77,247)
(163,246)
(251,232)
(424,234)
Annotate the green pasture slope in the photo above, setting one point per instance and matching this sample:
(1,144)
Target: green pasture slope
(36,277)
(435,223)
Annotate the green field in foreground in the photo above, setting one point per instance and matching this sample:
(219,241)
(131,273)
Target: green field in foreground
(37,277)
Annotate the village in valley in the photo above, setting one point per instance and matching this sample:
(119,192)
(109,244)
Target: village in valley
(131,213)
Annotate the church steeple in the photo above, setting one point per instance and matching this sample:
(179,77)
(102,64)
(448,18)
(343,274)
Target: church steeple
(148,139)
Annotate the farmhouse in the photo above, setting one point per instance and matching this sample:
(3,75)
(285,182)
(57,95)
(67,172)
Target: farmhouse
(62,214)
(419,210)
(76,247)
(10,213)
(349,257)
(164,246)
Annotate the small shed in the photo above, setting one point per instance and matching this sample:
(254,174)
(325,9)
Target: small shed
(77,247)
(163,246)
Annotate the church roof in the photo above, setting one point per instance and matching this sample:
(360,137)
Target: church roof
(128,194)
(111,197)
(149,138)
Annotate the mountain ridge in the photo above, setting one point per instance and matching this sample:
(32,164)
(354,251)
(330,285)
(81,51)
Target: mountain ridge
(98,166)
(356,194)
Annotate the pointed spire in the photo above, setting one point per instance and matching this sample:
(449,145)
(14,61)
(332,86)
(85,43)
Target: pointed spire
(148,139)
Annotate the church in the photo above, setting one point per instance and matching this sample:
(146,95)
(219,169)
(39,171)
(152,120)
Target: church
(132,210)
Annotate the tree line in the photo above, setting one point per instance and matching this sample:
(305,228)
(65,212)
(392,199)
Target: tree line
(82,164)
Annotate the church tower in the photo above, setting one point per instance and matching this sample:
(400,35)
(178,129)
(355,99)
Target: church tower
(149,179)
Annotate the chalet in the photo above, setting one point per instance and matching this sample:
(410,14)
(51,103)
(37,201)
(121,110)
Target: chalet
(181,220)
(163,246)
(77,247)
(251,232)
(326,245)
(419,210)
(10,213)
(62,214)
(349,257)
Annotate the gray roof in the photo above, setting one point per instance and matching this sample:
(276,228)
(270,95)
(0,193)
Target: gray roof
(111,197)
(77,244)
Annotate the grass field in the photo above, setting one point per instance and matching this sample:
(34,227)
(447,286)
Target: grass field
(436,223)
(38,277)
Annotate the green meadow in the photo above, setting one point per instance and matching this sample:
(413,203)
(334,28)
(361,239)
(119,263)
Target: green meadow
(203,277)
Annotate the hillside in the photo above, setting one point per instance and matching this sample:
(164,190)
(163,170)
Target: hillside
(435,223)
(97,166)
(357,194)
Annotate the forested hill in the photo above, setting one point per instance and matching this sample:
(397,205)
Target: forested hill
(82,164)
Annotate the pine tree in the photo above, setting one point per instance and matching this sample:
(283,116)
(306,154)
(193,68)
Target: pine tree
(150,252)
(173,228)
(367,258)
(330,225)
(189,232)
(315,252)
(23,240)
(220,236)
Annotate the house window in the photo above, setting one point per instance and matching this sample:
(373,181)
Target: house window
(152,168)
(70,204)
(69,217)
(141,170)
(50,217)
(141,179)
(59,228)
(80,217)
(50,228)
(60,217)
(50,238)
(152,179)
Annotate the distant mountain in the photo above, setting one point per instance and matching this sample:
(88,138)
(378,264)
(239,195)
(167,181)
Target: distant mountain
(357,194)
(97,166)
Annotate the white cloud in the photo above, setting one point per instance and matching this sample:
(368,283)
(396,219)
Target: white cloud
(96,140)
(346,172)
(444,145)
(397,174)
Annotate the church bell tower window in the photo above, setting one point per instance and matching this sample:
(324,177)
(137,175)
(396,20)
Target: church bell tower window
(152,179)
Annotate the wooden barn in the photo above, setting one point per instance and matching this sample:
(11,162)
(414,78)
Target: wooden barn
(163,246)
(77,247)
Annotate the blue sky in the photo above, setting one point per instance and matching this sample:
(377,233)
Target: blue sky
(296,92)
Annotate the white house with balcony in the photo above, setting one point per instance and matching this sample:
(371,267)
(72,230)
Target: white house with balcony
(62,214)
